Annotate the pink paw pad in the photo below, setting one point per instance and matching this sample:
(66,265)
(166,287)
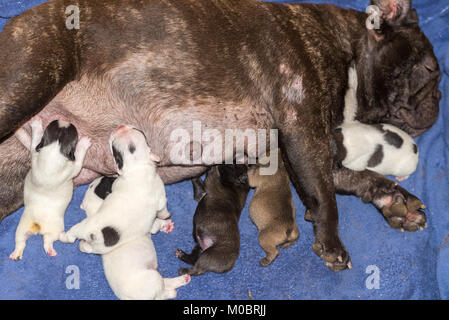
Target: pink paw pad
(168,227)
(187,278)
(51,253)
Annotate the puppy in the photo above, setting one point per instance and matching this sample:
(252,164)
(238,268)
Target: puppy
(56,159)
(138,195)
(221,198)
(131,269)
(272,211)
(382,148)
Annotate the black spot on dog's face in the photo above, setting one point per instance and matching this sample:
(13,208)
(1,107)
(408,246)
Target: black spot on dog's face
(104,188)
(377,157)
(393,139)
(111,236)
(132,148)
(118,157)
(415,149)
(66,135)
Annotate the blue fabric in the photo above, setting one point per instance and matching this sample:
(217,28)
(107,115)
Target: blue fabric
(411,265)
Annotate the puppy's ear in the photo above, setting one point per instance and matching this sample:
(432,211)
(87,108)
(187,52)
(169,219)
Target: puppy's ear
(199,191)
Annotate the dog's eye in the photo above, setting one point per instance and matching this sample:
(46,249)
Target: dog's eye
(132,148)
(93,237)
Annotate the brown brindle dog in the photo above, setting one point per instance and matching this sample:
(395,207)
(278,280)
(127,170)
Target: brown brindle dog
(160,65)
(272,210)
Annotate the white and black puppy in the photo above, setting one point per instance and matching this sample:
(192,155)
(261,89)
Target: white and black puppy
(56,159)
(131,269)
(101,188)
(138,195)
(381,148)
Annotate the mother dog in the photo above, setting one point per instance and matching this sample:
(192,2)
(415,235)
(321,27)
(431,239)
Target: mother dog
(161,64)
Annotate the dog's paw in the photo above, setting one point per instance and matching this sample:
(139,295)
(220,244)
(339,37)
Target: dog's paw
(16,255)
(334,254)
(51,252)
(402,210)
(179,253)
(85,247)
(168,226)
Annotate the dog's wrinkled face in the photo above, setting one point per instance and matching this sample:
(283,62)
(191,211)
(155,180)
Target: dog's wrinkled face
(63,133)
(129,147)
(399,73)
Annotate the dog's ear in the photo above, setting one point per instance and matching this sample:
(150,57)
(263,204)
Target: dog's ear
(199,191)
(395,12)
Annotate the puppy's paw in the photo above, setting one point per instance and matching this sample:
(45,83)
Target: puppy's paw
(168,226)
(51,252)
(66,237)
(36,124)
(85,247)
(16,255)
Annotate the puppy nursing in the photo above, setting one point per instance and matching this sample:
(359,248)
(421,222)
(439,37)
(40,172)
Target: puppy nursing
(221,198)
(272,211)
(128,212)
(131,269)
(121,212)
(56,159)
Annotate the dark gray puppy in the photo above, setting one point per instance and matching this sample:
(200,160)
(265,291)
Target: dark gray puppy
(221,198)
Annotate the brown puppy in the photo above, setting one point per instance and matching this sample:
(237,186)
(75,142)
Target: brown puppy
(272,211)
(221,198)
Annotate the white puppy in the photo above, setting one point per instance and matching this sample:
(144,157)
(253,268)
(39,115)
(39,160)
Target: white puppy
(56,159)
(381,148)
(138,194)
(131,269)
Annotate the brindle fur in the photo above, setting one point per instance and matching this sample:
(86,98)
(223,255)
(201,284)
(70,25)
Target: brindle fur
(155,64)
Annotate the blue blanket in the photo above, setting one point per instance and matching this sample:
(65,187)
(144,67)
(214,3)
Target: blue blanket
(409,265)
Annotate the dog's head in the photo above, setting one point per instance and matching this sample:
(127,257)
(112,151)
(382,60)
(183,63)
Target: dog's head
(234,175)
(63,133)
(129,148)
(398,72)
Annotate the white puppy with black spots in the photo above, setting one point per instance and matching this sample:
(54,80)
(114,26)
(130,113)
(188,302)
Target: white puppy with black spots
(131,269)
(382,148)
(119,230)
(56,159)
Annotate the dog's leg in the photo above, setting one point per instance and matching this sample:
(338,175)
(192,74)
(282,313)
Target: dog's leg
(49,238)
(305,142)
(268,240)
(78,231)
(189,258)
(400,208)
(23,232)
(14,166)
(47,63)
(166,226)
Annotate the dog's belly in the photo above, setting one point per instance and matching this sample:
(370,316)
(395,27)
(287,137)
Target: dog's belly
(97,106)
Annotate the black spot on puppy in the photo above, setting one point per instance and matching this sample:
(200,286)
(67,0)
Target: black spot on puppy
(118,157)
(377,157)
(393,138)
(111,236)
(65,134)
(132,148)
(415,149)
(104,188)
